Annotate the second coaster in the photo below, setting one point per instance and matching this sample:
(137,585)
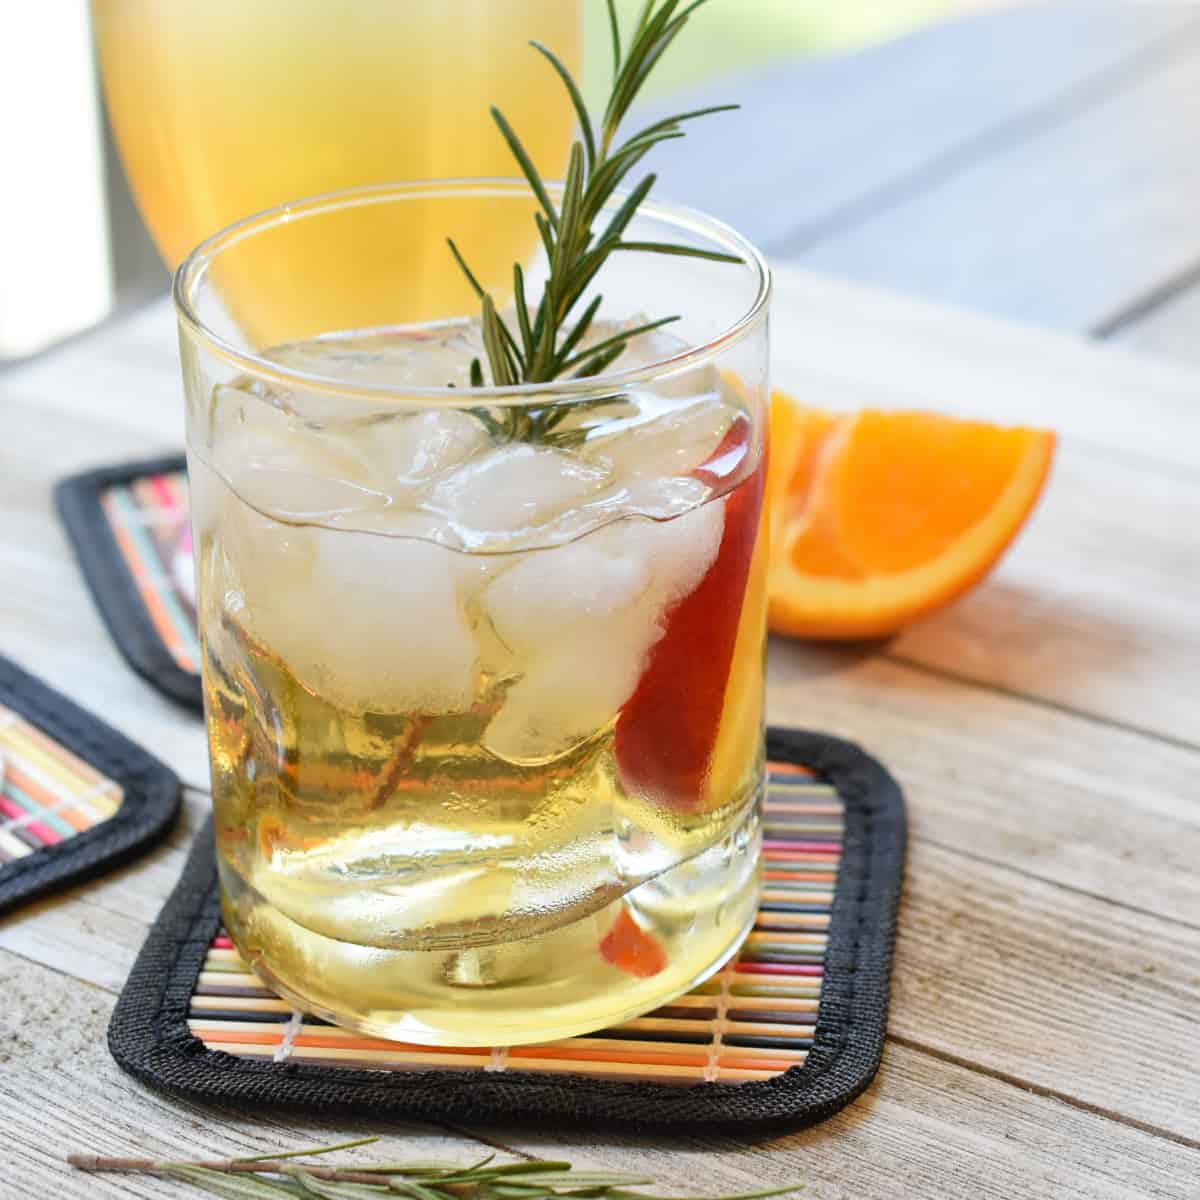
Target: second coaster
(131,532)
(75,796)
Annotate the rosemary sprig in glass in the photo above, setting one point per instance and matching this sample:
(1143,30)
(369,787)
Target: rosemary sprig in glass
(545,345)
(268,1177)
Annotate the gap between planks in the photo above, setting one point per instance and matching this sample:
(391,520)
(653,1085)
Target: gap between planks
(916,1046)
(1038,1089)
(1148,303)
(1045,702)
(921,978)
(928,963)
(1077,99)
(1074,889)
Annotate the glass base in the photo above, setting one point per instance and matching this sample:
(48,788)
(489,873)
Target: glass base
(655,943)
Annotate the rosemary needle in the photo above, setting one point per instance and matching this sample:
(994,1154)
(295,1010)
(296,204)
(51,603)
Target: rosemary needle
(545,345)
(268,1177)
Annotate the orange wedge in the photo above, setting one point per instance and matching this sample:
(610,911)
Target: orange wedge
(878,518)
(797,435)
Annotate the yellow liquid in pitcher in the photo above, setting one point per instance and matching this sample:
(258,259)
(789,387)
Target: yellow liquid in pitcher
(222,108)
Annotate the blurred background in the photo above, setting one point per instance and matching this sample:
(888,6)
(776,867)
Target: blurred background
(74,249)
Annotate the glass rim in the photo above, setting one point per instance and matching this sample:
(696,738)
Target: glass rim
(194,266)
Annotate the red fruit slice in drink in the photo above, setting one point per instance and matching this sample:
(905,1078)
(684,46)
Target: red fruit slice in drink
(685,734)
(631,949)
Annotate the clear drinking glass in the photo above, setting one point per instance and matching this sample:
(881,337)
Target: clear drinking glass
(485,713)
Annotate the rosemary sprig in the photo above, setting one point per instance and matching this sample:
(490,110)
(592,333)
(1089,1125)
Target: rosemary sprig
(246,1178)
(544,346)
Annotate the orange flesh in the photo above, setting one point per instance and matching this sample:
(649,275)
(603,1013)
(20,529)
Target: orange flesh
(881,517)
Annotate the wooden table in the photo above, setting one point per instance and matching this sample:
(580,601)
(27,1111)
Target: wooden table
(1045,1036)
(1036,162)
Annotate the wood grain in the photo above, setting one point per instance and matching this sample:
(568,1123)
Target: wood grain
(1051,988)
(1030,979)
(1172,328)
(1070,801)
(1022,232)
(94,930)
(63,1094)
(1090,610)
(926,1128)
(821,143)
(50,624)
(921,354)
(839,345)
(1049,935)
(1094,608)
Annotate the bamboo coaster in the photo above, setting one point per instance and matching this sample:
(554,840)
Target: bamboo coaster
(75,796)
(790,1031)
(131,533)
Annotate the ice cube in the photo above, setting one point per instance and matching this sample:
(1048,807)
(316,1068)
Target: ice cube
(646,350)
(392,636)
(513,488)
(661,444)
(295,495)
(681,551)
(567,695)
(404,451)
(473,572)
(281,465)
(368,622)
(657,497)
(547,591)
(582,619)
(430,357)
(264,567)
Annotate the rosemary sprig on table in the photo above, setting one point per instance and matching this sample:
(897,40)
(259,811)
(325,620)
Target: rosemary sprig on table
(543,347)
(246,1178)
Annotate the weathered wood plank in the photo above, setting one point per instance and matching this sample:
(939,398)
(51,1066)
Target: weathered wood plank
(125,374)
(925,1129)
(1062,799)
(839,345)
(1172,329)
(929,1126)
(1070,801)
(834,343)
(1062,228)
(1055,989)
(1090,609)
(63,1094)
(821,143)
(1094,607)
(1013,786)
(1012,809)
(50,624)
(94,930)
(1067,800)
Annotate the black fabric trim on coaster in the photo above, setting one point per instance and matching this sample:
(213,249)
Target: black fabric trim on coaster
(149,1034)
(150,801)
(110,580)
